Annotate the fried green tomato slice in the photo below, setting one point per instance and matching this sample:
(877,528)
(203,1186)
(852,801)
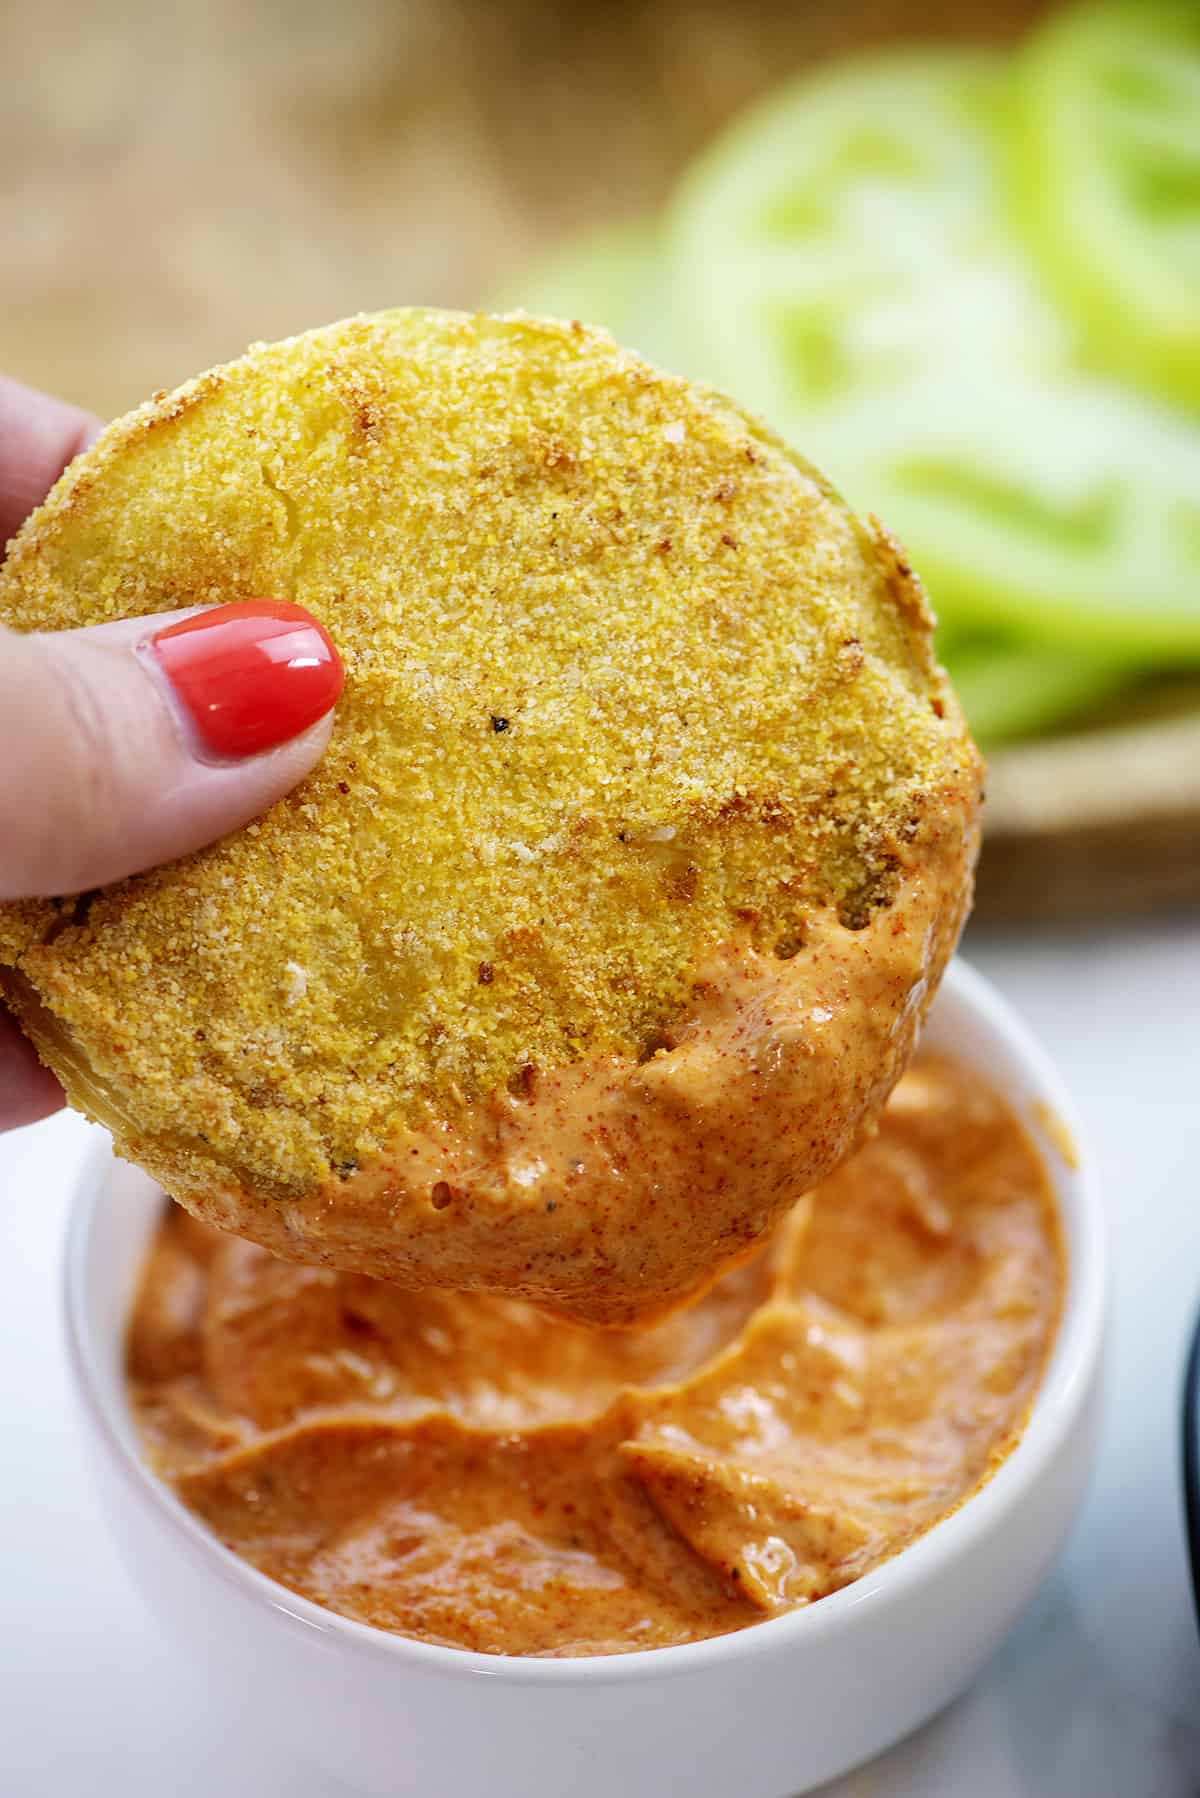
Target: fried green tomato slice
(647,826)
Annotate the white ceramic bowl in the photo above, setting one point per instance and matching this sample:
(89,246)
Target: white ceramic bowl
(765,1713)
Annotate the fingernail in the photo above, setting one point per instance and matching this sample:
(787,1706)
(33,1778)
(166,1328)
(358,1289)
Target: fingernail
(250,675)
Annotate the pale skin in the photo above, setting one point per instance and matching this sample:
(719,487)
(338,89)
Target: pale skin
(96,779)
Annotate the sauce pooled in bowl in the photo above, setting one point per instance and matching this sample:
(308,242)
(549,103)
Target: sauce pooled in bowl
(466,1470)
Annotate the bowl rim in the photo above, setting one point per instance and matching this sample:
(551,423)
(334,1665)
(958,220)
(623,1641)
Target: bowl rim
(1063,1393)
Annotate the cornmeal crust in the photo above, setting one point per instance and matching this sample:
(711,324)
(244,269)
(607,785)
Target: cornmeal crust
(642,727)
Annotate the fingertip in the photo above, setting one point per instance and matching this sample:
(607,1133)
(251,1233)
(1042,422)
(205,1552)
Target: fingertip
(39,436)
(121,781)
(247,676)
(293,760)
(28,1090)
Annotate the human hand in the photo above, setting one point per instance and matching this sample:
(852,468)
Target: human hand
(134,742)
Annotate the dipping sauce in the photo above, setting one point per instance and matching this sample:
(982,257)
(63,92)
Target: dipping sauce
(465,1470)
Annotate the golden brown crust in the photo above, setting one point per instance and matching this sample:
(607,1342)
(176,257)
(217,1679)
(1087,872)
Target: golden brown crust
(626,683)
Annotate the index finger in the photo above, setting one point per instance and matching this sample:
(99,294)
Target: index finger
(38,437)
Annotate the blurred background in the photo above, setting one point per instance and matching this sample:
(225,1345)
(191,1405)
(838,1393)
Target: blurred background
(832,212)
(953,251)
(177,180)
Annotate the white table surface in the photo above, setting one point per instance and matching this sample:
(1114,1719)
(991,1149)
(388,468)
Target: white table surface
(1095,1695)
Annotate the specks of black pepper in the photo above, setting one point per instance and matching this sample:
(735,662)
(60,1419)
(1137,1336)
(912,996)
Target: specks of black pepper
(343,786)
(81,908)
(345,1169)
(76,918)
(551,1204)
(682,883)
(522,1082)
(854,913)
(500,724)
(485,973)
(355,1324)
(623,836)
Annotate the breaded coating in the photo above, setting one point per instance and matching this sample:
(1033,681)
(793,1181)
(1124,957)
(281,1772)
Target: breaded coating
(626,682)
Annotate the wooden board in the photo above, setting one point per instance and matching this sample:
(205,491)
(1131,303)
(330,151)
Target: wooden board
(178,180)
(1101,823)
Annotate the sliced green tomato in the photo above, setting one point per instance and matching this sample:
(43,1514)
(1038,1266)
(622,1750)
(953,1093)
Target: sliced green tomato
(1107,162)
(612,277)
(841,263)
(609,276)
(594,277)
(1011,690)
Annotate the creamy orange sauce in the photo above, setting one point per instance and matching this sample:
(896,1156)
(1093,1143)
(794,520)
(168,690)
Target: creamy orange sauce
(464,1469)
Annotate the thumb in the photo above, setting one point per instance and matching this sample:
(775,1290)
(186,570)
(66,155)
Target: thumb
(131,743)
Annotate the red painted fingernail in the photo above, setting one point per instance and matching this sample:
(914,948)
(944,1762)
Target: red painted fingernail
(250,675)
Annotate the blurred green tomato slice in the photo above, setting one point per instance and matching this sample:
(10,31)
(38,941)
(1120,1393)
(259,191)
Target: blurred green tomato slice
(594,277)
(607,276)
(611,276)
(841,263)
(1107,162)
(1013,690)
